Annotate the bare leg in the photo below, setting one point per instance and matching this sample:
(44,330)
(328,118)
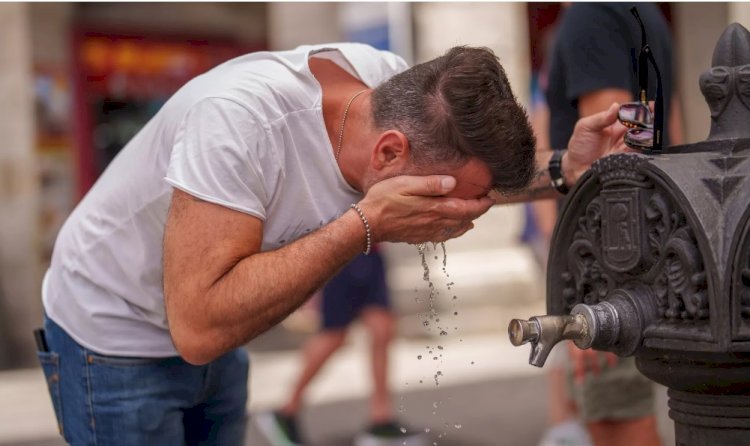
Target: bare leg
(381,325)
(561,407)
(316,352)
(641,432)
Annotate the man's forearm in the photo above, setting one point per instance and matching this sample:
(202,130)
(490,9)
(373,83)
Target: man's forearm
(221,291)
(593,137)
(540,187)
(263,288)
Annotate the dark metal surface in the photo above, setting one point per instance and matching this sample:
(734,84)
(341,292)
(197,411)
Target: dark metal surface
(654,250)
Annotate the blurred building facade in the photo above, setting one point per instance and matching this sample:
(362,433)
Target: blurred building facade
(78,79)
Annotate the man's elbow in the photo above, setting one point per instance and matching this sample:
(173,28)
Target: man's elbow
(196,348)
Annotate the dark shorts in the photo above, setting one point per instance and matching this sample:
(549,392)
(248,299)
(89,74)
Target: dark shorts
(616,393)
(360,284)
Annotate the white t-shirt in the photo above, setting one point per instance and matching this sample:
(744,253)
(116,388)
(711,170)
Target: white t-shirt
(248,135)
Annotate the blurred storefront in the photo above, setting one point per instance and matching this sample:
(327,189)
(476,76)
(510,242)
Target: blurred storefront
(85,77)
(78,79)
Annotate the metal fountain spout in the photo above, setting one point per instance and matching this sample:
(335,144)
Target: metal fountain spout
(615,324)
(544,332)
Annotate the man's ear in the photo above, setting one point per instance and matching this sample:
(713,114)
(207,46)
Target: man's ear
(391,151)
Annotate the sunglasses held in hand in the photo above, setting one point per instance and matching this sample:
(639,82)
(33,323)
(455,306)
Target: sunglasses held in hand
(645,129)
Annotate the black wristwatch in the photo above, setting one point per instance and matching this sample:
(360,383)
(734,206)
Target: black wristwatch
(555,172)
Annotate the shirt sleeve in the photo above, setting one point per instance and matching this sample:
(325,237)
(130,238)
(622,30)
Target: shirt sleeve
(373,66)
(596,49)
(220,155)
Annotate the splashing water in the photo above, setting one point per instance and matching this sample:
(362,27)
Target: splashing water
(431,319)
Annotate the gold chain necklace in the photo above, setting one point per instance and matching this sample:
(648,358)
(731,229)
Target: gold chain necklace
(343,121)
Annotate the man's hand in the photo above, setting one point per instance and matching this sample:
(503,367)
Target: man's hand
(594,137)
(414,209)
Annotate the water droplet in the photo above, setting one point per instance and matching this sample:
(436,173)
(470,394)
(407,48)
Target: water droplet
(457,426)
(455,297)
(403,430)
(455,313)
(419,356)
(472,362)
(427,429)
(434,358)
(440,347)
(443,332)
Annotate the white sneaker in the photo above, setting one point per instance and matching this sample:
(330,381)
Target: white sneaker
(278,429)
(569,433)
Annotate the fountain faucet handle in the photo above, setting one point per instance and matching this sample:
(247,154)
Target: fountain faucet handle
(544,332)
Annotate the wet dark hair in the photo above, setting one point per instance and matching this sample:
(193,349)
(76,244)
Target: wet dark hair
(456,107)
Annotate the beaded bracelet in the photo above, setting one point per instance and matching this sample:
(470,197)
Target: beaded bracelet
(368,233)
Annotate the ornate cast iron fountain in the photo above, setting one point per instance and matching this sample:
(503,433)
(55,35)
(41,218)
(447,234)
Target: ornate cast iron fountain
(651,258)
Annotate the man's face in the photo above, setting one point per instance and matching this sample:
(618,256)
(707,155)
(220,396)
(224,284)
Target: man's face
(473,180)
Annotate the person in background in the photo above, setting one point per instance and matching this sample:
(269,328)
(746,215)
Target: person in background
(565,428)
(541,215)
(591,66)
(359,291)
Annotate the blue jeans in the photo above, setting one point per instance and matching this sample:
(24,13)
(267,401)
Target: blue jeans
(108,400)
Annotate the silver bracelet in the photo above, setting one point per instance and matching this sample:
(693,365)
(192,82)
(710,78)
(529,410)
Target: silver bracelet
(368,233)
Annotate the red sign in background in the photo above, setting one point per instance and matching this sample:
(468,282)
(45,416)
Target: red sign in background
(122,79)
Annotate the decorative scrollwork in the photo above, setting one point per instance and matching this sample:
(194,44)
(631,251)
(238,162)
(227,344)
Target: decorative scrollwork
(660,221)
(682,285)
(586,280)
(632,231)
(680,282)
